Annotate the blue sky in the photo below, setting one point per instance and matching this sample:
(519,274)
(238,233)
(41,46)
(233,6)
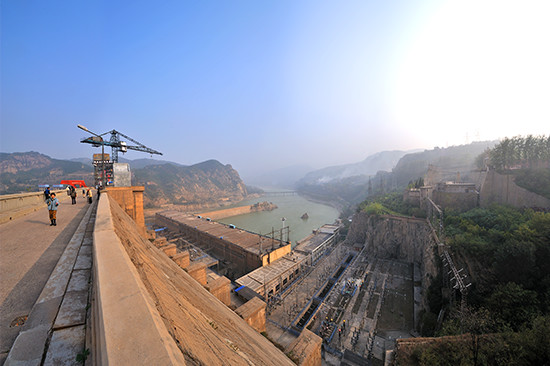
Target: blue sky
(263,85)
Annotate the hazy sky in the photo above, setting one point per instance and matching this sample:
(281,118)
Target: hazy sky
(267,84)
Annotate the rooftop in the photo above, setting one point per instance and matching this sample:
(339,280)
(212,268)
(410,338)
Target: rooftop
(312,242)
(247,240)
(256,279)
(318,237)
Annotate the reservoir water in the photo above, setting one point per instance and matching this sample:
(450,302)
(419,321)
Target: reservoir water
(291,207)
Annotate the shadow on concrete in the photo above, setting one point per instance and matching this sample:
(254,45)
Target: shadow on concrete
(25,293)
(44,222)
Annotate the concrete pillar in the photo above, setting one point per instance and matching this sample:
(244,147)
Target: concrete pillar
(131,201)
(221,288)
(253,312)
(198,272)
(182,259)
(170,250)
(160,242)
(306,349)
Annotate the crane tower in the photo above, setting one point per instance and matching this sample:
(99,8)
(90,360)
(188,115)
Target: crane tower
(104,173)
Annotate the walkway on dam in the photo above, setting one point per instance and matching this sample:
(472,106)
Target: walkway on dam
(29,250)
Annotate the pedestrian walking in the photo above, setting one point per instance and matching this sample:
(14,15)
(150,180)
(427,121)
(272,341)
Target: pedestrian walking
(73,195)
(47,193)
(83,193)
(89,195)
(52,203)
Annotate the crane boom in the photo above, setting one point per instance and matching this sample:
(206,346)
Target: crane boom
(117,145)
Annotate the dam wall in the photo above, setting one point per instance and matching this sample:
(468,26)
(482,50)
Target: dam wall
(241,210)
(228,212)
(205,330)
(501,189)
(126,326)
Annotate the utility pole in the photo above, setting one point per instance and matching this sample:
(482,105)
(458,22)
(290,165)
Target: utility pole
(283,219)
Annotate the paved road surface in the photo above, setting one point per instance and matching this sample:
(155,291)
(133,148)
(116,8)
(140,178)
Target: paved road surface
(29,250)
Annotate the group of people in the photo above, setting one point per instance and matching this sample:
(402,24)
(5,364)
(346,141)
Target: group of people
(53,202)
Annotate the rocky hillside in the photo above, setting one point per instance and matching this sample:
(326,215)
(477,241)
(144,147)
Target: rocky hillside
(384,160)
(343,185)
(205,183)
(20,172)
(444,163)
(397,238)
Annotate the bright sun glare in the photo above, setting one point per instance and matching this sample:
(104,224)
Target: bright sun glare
(478,67)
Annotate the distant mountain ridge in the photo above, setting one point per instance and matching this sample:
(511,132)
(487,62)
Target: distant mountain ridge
(208,183)
(410,166)
(205,183)
(20,172)
(134,164)
(384,160)
(282,178)
(447,161)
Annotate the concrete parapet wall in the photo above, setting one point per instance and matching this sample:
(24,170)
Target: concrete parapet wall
(16,205)
(306,349)
(253,312)
(126,326)
(131,201)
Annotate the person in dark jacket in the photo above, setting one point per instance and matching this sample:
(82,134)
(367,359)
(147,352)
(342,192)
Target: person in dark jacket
(89,195)
(52,203)
(46,193)
(73,195)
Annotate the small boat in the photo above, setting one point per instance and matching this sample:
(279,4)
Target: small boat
(305,216)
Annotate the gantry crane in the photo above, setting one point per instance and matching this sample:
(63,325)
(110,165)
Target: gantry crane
(117,145)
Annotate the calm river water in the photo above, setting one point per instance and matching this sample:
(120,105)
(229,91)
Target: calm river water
(289,207)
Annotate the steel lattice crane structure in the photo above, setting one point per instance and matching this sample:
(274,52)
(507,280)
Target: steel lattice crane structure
(117,145)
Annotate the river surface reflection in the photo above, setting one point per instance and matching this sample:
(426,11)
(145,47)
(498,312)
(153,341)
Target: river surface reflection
(291,207)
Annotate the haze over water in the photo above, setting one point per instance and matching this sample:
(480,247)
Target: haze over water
(289,207)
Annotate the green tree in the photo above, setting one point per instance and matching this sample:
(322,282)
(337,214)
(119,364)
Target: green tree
(513,305)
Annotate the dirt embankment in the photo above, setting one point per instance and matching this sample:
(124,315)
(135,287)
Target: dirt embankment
(206,331)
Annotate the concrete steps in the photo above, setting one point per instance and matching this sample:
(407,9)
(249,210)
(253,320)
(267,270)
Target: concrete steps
(55,332)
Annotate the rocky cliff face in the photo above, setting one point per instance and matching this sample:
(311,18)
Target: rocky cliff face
(22,162)
(397,238)
(198,185)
